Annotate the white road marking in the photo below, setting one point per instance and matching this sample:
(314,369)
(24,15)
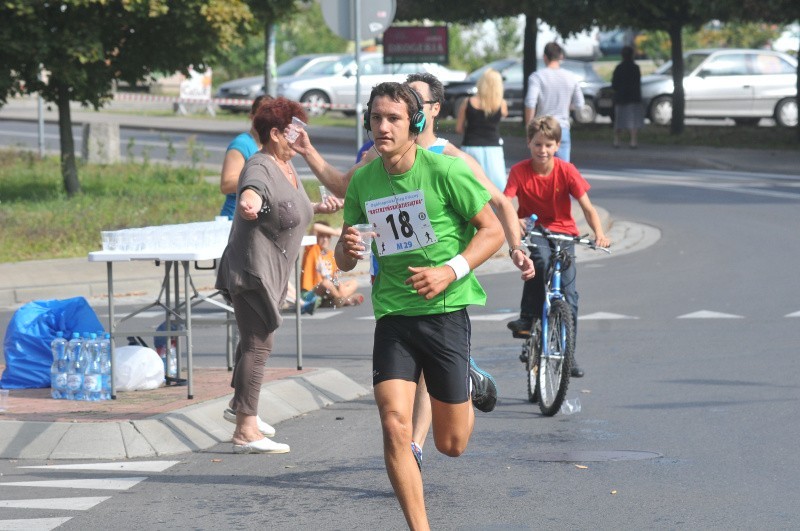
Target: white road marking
(33,524)
(316,316)
(600,316)
(794,314)
(68,504)
(708,314)
(97,484)
(493,317)
(136,466)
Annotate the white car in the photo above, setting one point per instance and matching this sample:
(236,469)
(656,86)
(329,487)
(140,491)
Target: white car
(248,88)
(335,89)
(742,84)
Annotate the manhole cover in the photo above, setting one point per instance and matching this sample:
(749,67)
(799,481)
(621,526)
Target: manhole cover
(583,456)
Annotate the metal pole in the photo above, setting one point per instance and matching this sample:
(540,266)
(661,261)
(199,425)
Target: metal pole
(359,107)
(40,106)
(297,305)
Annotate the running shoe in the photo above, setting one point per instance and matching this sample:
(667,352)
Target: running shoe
(417,451)
(484,388)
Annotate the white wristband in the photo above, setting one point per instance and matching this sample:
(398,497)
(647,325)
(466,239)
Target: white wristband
(459,265)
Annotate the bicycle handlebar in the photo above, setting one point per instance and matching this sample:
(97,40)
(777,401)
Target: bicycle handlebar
(583,240)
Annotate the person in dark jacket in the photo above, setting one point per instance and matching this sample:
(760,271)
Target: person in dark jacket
(627,85)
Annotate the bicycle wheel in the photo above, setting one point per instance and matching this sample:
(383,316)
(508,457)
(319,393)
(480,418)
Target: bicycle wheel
(554,367)
(532,349)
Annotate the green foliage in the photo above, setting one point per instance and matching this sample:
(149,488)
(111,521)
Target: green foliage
(656,44)
(307,32)
(303,32)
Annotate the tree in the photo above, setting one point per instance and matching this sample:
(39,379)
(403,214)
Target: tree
(270,13)
(73,50)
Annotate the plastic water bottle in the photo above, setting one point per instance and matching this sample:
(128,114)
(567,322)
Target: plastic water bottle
(531,223)
(74,370)
(58,370)
(105,367)
(91,378)
(168,350)
(172,360)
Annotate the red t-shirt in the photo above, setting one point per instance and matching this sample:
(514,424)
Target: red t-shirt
(547,196)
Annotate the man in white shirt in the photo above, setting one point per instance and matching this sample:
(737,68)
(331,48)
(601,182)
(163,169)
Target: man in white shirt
(553,91)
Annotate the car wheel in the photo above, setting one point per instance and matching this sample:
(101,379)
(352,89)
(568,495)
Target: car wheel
(316,102)
(586,114)
(752,122)
(786,112)
(661,110)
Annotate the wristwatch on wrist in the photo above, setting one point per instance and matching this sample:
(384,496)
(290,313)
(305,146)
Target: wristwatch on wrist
(515,248)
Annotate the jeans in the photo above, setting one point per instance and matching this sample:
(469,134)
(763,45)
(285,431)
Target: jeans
(566,145)
(533,290)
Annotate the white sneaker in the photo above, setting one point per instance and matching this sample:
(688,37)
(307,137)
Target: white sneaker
(263,427)
(263,446)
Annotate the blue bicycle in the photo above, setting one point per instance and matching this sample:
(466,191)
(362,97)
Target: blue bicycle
(548,349)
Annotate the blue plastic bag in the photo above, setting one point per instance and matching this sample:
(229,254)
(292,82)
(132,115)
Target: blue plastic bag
(30,332)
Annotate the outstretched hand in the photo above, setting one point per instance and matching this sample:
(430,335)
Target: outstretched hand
(430,281)
(250,204)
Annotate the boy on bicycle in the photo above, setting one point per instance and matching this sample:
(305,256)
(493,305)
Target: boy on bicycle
(543,185)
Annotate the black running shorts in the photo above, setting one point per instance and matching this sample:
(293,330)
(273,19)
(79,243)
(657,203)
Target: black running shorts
(437,345)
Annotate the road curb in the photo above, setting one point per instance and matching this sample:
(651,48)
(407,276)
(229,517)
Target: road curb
(193,428)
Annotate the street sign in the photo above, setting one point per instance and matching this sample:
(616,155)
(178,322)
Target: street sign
(376,17)
(415,44)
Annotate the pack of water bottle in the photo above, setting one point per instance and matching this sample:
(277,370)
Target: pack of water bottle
(81,367)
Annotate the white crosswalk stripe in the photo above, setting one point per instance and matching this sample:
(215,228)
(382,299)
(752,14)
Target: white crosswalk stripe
(136,466)
(95,484)
(75,503)
(67,504)
(33,524)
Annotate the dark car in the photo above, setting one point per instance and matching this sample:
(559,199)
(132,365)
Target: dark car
(511,70)
(745,85)
(612,41)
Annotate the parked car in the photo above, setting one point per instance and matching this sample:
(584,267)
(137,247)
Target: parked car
(511,70)
(249,88)
(335,87)
(745,85)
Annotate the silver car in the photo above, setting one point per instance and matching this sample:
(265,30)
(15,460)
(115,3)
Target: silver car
(745,85)
(335,89)
(248,88)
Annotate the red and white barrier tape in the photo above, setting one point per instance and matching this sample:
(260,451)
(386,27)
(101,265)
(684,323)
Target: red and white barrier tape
(241,102)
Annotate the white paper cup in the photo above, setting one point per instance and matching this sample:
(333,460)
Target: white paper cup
(367,232)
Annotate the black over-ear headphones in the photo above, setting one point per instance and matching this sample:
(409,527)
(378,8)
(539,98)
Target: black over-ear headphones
(417,119)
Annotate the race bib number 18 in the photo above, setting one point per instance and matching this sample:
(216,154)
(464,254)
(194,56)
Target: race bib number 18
(401,223)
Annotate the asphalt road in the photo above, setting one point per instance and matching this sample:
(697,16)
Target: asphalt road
(689,404)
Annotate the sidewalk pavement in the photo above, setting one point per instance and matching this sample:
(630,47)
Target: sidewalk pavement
(162,422)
